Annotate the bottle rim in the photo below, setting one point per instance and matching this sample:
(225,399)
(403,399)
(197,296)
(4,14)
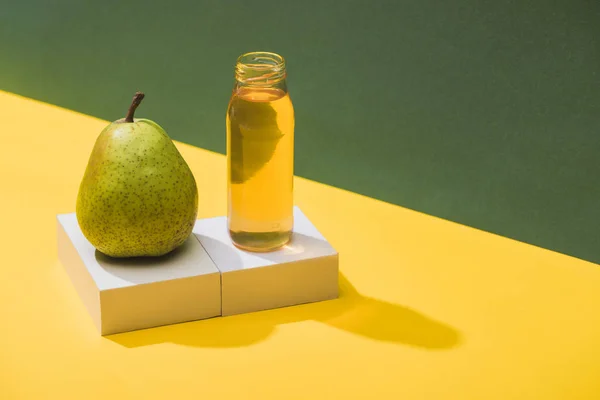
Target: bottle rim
(260,68)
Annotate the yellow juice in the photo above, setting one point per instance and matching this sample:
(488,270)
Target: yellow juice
(260,148)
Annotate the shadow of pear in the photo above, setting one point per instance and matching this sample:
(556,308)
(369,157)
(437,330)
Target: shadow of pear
(363,316)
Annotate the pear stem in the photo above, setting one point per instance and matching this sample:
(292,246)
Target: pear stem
(137,99)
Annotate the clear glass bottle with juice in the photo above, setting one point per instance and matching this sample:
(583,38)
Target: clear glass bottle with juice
(260,154)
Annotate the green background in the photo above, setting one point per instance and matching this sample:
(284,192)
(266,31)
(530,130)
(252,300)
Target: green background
(482,112)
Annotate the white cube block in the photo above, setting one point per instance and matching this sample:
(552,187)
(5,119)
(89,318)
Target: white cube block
(303,271)
(125,294)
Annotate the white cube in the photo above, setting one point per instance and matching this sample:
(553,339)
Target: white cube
(303,271)
(128,294)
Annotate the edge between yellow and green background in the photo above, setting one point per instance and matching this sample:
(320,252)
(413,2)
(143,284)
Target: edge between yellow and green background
(483,113)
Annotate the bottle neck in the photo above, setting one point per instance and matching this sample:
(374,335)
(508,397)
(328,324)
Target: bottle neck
(261,70)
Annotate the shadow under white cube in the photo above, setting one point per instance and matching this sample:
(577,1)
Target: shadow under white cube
(303,271)
(129,294)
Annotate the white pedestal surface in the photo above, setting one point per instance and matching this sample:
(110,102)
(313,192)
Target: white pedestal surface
(303,271)
(206,277)
(128,294)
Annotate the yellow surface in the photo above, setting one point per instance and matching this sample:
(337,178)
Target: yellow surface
(429,309)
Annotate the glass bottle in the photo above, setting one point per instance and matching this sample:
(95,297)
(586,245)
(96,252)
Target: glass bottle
(260,154)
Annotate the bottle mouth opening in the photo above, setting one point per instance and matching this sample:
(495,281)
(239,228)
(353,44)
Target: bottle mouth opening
(260,68)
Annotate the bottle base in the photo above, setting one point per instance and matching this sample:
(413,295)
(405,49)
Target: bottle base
(260,242)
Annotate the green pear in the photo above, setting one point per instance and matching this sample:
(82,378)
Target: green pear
(138,196)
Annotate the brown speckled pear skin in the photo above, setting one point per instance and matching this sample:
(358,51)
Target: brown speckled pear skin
(138,196)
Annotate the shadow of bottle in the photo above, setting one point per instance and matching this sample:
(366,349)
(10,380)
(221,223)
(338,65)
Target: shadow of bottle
(364,316)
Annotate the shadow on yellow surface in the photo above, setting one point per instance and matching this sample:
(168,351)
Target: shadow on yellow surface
(351,312)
